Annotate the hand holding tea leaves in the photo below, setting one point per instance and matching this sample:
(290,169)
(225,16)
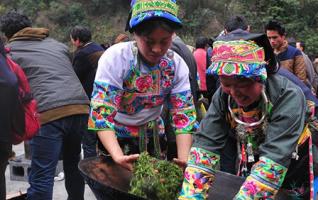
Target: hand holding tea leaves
(109,140)
(155,179)
(126,161)
(181,163)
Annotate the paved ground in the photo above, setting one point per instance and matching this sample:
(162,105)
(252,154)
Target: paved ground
(59,189)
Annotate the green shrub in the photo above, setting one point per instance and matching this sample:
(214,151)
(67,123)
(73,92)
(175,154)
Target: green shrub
(67,15)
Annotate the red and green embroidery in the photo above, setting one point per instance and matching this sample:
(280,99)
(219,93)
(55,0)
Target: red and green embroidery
(199,175)
(264,181)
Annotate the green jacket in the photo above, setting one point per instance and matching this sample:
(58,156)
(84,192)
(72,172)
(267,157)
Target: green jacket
(286,122)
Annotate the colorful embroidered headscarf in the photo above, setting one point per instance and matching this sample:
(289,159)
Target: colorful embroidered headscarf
(238,58)
(147,9)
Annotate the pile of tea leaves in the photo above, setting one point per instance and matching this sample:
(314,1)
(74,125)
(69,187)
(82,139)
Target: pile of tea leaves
(155,179)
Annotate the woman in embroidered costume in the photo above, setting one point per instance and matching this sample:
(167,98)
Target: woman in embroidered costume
(134,80)
(265,113)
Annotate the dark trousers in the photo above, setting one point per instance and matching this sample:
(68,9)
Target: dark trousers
(89,143)
(3,166)
(62,136)
(5,150)
(229,156)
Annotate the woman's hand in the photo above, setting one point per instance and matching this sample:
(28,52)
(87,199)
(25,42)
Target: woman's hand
(109,140)
(181,163)
(126,161)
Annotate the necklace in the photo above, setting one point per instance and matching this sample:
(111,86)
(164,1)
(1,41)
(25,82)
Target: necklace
(246,124)
(246,143)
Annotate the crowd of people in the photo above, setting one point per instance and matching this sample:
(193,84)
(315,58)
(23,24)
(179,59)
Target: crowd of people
(146,92)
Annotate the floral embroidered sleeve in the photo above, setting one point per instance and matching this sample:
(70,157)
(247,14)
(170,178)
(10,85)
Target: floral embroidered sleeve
(108,87)
(264,181)
(182,112)
(180,104)
(105,97)
(199,174)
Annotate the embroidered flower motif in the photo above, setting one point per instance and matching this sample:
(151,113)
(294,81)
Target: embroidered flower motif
(143,83)
(176,102)
(199,180)
(168,72)
(180,120)
(134,130)
(250,188)
(117,100)
(110,117)
(163,63)
(130,109)
(203,158)
(167,84)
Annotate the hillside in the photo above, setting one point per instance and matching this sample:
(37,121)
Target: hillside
(107,18)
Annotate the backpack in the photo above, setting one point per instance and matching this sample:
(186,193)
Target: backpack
(29,105)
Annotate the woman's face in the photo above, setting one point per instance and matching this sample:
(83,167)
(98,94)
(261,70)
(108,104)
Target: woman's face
(154,46)
(244,91)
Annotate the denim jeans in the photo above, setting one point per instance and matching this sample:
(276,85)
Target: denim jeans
(62,136)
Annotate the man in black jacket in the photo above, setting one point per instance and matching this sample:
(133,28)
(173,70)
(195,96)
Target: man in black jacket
(86,57)
(85,64)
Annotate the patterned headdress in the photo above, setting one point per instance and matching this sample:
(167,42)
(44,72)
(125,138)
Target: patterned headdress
(238,58)
(142,10)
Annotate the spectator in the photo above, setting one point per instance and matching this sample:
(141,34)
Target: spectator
(85,63)
(62,104)
(86,57)
(288,56)
(316,64)
(200,54)
(300,46)
(211,81)
(209,51)
(105,45)
(182,49)
(234,23)
(122,37)
(11,115)
(312,77)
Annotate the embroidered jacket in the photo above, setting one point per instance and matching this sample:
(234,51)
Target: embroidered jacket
(285,125)
(128,94)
